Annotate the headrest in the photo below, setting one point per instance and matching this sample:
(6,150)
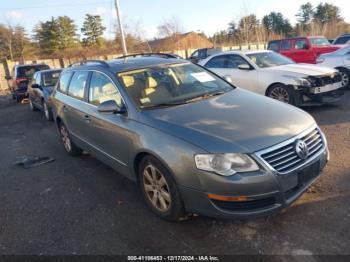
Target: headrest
(128,80)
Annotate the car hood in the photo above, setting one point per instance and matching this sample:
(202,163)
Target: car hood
(300,70)
(237,121)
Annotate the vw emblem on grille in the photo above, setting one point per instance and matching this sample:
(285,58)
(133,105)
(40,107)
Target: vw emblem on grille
(301,149)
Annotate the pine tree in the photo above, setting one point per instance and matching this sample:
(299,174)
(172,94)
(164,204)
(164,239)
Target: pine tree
(93,30)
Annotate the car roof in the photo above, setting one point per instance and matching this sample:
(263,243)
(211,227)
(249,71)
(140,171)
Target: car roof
(130,63)
(297,37)
(30,65)
(49,70)
(243,52)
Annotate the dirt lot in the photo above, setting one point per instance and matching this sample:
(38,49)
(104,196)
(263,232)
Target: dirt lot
(81,206)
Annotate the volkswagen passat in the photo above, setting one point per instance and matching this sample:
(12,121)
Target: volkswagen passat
(193,142)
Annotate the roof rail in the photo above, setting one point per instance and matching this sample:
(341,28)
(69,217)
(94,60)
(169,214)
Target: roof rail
(102,63)
(165,55)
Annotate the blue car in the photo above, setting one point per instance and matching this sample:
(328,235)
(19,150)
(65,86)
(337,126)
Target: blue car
(40,89)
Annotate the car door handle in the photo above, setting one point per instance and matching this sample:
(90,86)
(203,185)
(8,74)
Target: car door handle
(87,119)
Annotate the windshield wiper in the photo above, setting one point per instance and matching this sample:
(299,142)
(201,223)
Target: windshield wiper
(205,96)
(164,104)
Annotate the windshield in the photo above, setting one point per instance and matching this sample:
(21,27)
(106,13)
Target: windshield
(319,41)
(28,71)
(50,78)
(269,59)
(173,84)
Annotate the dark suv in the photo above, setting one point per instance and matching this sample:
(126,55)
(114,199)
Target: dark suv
(21,76)
(192,141)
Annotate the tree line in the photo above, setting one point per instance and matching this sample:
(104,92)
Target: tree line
(323,19)
(60,37)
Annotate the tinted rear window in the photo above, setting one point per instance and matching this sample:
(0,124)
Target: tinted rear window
(28,71)
(286,45)
(50,78)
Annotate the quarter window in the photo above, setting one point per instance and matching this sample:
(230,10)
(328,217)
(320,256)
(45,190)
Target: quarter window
(77,84)
(64,81)
(102,89)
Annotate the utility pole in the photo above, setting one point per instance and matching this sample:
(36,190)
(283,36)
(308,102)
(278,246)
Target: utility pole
(125,52)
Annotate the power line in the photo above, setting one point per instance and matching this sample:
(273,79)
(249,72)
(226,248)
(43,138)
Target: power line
(55,6)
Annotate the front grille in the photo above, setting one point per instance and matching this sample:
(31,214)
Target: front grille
(324,80)
(245,205)
(285,159)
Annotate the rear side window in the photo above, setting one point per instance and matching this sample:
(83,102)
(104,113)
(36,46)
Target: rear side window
(102,89)
(286,45)
(77,84)
(274,46)
(64,81)
(216,62)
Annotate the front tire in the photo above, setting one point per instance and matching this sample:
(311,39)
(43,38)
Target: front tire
(282,93)
(160,190)
(345,77)
(68,144)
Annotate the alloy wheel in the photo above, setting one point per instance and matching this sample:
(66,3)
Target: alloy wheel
(156,188)
(280,94)
(65,138)
(344,78)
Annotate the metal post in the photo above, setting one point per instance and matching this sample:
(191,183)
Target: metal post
(125,52)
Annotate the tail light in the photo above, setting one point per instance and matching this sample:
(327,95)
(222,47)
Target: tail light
(20,79)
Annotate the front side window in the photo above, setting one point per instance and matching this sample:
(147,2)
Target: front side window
(64,81)
(269,59)
(216,62)
(300,44)
(169,85)
(77,84)
(320,41)
(286,45)
(102,89)
(233,61)
(50,78)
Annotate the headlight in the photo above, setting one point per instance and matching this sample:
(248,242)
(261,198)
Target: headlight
(225,164)
(304,82)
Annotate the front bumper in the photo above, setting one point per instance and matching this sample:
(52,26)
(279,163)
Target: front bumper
(266,192)
(307,96)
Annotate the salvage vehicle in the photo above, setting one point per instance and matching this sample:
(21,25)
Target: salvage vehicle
(21,76)
(276,76)
(40,89)
(339,60)
(303,49)
(192,141)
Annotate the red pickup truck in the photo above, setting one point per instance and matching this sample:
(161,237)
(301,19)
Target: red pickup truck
(302,49)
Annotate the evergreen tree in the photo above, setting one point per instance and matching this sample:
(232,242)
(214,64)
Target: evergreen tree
(93,30)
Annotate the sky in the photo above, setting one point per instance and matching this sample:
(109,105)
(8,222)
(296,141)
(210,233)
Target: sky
(209,16)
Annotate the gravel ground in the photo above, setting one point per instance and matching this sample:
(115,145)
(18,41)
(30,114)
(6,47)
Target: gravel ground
(77,205)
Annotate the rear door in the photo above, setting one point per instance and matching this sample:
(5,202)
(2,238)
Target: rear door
(74,106)
(286,48)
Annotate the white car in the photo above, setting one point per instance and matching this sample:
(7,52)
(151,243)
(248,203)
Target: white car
(271,74)
(340,60)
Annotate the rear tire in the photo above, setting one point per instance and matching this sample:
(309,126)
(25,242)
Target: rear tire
(281,93)
(68,144)
(159,190)
(345,75)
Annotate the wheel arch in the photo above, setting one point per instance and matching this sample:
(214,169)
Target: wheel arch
(273,85)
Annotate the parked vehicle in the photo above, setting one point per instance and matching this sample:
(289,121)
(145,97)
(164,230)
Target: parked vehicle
(302,49)
(203,53)
(21,76)
(343,39)
(192,141)
(164,55)
(40,89)
(271,74)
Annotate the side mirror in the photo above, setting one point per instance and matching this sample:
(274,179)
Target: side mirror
(110,107)
(244,67)
(8,77)
(36,86)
